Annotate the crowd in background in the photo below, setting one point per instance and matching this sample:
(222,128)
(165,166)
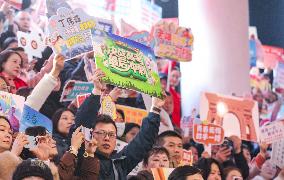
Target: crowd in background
(66,154)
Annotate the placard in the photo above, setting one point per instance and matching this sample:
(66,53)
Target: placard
(208,134)
(127,64)
(74,88)
(31,117)
(142,37)
(277,154)
(108,107)
(161,173)
(11,106)
(173,42)
(81,98)
(70,32)
(187,158)
(237,116)
(33,43)
(133,115)
(272,132)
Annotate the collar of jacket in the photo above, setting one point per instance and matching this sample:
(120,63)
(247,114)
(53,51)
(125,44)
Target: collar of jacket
(114,156)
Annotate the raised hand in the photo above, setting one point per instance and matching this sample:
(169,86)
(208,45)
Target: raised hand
(58,65)
(77,138)
(97,80)
(91,147)
(115,93)
(19,143)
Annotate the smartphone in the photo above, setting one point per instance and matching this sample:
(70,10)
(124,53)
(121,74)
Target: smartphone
(88,133)
(32,142)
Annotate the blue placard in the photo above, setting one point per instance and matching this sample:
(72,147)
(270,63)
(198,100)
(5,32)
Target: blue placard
(31,117)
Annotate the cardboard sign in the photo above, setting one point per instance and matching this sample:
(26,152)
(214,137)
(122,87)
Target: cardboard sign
(131,114)
(15,3)
(142,37)
(108,107)
(277,154)
(32,43)
(237,116)
(173,42)
(272,132)
(187,158)
(161,173)
(208,134)
(11,106)
(31,117)
(127,64)
(70,32)
(74,88)
(81,98)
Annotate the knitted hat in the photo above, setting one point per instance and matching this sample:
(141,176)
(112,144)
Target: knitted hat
(32,167)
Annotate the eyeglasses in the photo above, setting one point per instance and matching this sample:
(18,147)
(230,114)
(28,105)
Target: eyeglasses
(103,134)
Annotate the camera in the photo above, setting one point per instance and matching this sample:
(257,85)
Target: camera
(88,133)
(228,143)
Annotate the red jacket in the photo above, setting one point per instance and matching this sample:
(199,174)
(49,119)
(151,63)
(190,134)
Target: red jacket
(176,115)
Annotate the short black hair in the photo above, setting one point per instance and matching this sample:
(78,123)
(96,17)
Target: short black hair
(9,41)
(228,169)
(182,172)
(36,131)
(205,165)
(169,133)
(105,119)
(17,49)
(121,113)
(155,150)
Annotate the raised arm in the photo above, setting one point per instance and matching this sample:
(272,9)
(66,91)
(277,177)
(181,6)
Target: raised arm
(88,111)
(144,140)
(46,85)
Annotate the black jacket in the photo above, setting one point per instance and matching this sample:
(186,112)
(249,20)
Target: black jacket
(120,164)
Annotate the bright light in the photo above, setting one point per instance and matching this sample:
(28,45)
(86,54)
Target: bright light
(222,109)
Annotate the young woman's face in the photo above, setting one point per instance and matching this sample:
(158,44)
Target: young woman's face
(131,134)
(5,135)
(12,66)
(158,160)
(65,122)
(174,78)
(215,173)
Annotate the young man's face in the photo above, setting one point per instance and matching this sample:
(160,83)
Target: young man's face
(105,135)
(174,146)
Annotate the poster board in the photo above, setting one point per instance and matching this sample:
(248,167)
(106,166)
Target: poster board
(133,115)
(272,132)
(74,88)
(127,64)
(173,42)
(161,173)
(277,154)
(237,116)
(11,106)
(208,134)
(31,117)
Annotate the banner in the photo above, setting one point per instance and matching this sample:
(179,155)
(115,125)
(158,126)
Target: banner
(31,117)
(132,114)
(74,88)
(208,134)
(127,64)
(173,42)
(32,43)
(11,106)
(272,132)
(237,116)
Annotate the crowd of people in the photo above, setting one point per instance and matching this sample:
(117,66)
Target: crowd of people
(67,154)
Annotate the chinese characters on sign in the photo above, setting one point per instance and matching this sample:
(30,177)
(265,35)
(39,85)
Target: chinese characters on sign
(272,132)
(127,64)
(173,42)
(208,134)
(277,154)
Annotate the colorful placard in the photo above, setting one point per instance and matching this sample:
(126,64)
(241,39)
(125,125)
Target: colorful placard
(173,42)
(187,158)
(238,116)
(81,98)
(108,107)
(161,173)
(272,132)
(11,106)
(15,3)
(132,114)
(33,43)
(277,154)
(208,134)
(74,88)
(31,117)
(70,32)
(127,64)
